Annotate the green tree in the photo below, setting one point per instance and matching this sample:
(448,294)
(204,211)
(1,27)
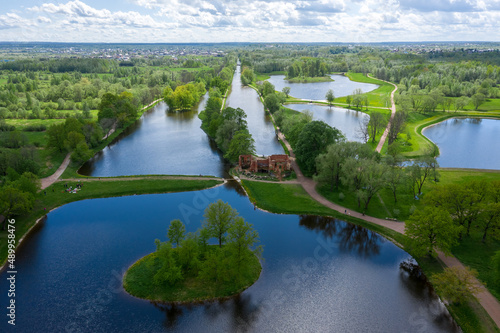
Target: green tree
(241,144)
(377,122)
(14,201)
(81,153)
(478,99)
(56,137)
(176,232)
(188,254)
(315,137)
(456,284)
(169,271)
(429,228)
(330,97)
(219,217)
(286,91)
(241,238)
(495,261)
(28,182)
(215,267)
(272,103)
(490,220)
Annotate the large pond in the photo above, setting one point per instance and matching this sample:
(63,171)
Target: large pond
(259,124)
(348,121)
(341,86)
(319,274)
(467,142)
(161,142)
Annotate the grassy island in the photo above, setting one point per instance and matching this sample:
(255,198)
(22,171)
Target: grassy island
(188,269)
(139,281)
(308,79)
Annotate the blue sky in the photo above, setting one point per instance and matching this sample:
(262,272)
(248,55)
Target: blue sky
(169,21)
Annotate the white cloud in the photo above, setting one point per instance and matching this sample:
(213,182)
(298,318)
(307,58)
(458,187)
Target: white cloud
(258,20)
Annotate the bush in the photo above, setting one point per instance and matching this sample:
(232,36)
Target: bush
(35,128)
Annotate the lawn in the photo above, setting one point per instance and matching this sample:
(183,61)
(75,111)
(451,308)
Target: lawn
(380,97)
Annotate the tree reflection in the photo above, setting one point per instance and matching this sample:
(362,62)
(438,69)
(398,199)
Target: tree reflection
(172,313)
(243,312)
(351,237)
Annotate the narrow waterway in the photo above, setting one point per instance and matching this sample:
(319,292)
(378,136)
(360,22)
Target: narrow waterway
(161,142)
(259,124)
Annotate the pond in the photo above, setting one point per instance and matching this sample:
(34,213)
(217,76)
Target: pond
(347,121)
(259,124)
(161,142)
(466,142)
(341,86)
(319,274)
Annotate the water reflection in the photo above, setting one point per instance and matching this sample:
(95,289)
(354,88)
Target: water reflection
(351,237)
(161,142)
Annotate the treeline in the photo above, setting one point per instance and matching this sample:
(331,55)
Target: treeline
(62,65)
(228,127)
(307,67)
(356,168)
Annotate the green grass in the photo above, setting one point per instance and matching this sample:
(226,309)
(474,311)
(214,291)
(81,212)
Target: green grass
(138,281)
(21,123)
(97,189)
(380,97)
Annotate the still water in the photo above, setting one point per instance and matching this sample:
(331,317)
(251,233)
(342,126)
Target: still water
(341,86)
(259,125)
(347,121)
(161,142)
(319,274)
(467,142)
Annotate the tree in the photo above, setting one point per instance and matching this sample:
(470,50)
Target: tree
(418,173)
(395,179)
(398,124)
(456,284)
(176,232)
(495,260)
(477,100)
(461,102)
(56,137)
(330,97)
(14,201)
(188,254)
(362,132)
(429,228)
(490,220)
(169,272)
(225,134)
(241,238)
(219,217)
(286,91)
(315,137)
(272,103)
(241,144)
(376,123)
(329,164)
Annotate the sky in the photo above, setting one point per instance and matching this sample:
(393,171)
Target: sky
(198,21)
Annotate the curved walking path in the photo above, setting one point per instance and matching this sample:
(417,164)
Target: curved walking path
(393,112)
(46,182)
(485,298)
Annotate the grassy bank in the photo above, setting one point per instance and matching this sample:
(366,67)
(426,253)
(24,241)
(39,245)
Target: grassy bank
(139,282)
(380,97)
(55,197)
(292,199)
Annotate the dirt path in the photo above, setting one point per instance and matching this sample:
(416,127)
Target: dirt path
(485,298)
(46,182)
(393,112)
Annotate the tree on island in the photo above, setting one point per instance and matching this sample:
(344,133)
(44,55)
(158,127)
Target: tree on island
(194,270)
